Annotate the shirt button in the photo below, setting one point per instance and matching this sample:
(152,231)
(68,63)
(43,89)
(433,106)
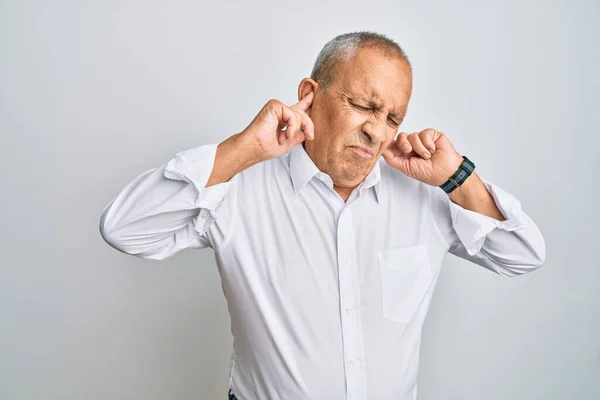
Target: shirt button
(353,361)
(345,259)
(349,310)
(204,214)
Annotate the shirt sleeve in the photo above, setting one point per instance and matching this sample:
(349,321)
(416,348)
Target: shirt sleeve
(169,208)
(511,247)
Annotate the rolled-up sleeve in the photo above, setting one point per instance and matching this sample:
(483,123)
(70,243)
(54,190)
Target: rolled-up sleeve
(169,208)
(511,247)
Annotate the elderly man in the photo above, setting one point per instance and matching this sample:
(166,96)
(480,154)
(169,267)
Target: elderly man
(328,230)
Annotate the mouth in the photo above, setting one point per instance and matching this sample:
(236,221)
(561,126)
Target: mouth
(361,151)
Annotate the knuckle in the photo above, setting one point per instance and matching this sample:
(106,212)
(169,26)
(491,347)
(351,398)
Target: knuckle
(273,103)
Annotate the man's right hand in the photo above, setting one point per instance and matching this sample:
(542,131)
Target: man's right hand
(263,139)
(265,131)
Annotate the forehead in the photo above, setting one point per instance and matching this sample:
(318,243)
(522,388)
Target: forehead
(373,75)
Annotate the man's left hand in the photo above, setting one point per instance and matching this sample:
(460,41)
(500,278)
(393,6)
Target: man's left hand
(427,156)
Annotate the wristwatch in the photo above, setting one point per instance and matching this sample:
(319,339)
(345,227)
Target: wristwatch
(464,171)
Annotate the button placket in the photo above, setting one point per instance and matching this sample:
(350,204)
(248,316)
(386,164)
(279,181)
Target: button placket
(350,298)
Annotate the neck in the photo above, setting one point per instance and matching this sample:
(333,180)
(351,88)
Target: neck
(343,192)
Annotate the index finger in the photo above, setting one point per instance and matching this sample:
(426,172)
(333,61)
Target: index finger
(305,102)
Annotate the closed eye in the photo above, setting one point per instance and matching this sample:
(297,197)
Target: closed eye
(361,107)
(396,124)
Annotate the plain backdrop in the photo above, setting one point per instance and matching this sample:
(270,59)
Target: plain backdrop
(93,93)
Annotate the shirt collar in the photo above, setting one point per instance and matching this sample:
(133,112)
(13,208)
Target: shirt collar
(303,169)
(373,179)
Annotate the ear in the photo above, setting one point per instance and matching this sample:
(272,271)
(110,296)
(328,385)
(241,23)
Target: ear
(306,86)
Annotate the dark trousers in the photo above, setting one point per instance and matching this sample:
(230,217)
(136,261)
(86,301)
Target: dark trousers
(231,396)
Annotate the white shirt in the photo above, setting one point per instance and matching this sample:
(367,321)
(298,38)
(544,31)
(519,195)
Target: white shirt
(327,298)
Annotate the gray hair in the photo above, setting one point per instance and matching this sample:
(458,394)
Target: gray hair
(344,47)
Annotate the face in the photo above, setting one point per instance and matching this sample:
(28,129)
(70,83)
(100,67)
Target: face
(358,115)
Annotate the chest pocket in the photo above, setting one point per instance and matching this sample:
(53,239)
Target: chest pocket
(405,278)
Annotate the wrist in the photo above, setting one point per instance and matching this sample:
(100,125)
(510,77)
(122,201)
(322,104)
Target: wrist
(458,195)
(454,182)
(232,157)
(248,147)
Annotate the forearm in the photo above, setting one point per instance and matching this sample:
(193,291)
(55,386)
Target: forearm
(154,213)
(473,195)
(233,156)
(149,215)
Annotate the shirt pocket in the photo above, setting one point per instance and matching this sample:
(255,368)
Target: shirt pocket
(405,279)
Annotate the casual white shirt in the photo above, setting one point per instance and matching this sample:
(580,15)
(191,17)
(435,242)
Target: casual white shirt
(327,298)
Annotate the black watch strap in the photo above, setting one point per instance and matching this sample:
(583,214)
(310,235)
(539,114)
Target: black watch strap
(464,171)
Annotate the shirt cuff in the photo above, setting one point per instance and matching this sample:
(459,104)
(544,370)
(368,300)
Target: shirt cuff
(472,227)
(195,166)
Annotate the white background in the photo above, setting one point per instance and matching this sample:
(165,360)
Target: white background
(93,93)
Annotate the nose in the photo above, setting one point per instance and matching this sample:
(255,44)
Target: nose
(375,130)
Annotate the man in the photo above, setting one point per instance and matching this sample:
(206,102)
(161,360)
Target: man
(328,254)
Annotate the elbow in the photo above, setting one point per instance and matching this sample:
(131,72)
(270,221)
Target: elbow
(110,238)
(534,256)
(536,260)
(126,243)
(540,257)
(120,243)
(511,271)
(525,268)
(537,254)
(110,235)
(537,251)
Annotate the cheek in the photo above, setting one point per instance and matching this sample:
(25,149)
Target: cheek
(348,124)
(348,116)
(391,137)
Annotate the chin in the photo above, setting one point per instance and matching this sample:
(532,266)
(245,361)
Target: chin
(351,171)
